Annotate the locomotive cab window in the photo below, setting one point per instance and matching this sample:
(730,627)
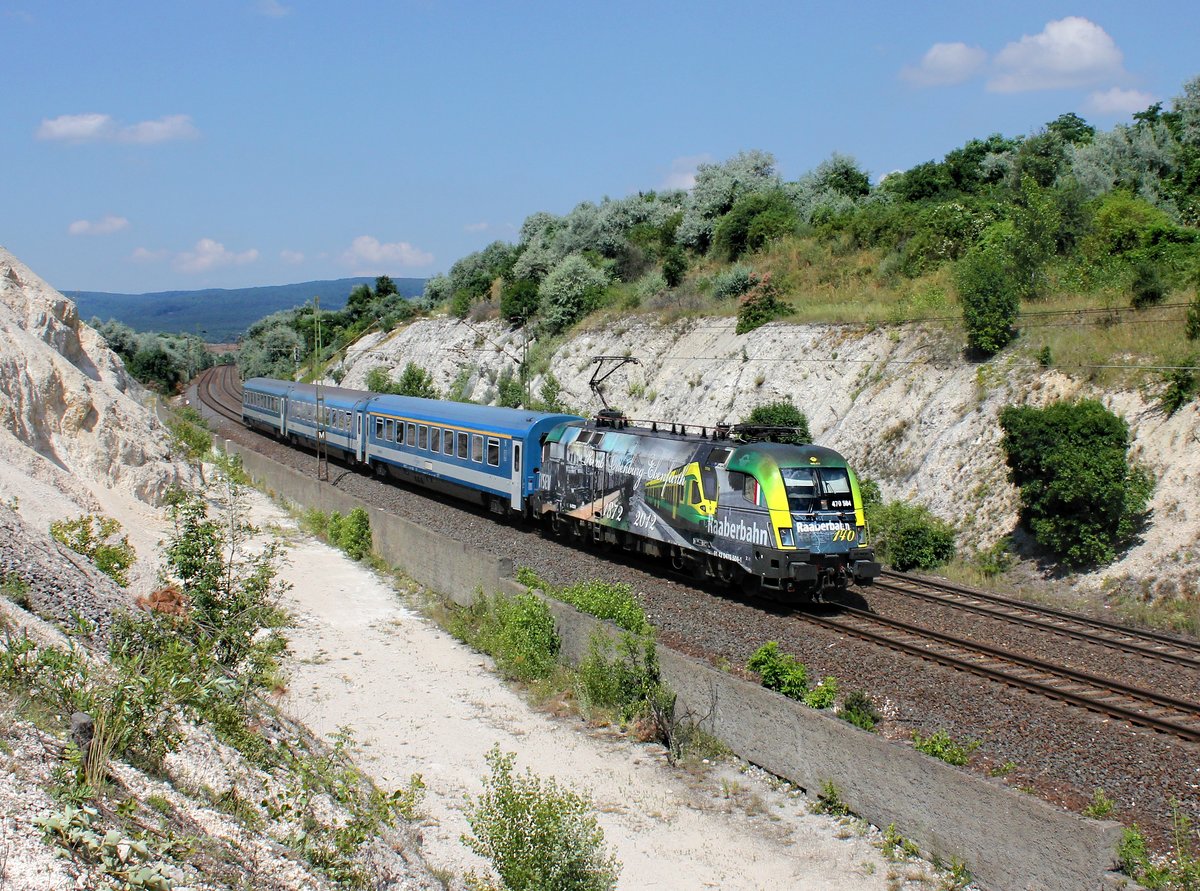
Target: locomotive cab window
(803,489)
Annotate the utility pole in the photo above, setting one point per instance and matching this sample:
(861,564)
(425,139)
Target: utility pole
(322,446)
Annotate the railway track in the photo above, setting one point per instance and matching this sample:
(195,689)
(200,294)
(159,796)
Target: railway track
(1138,706)
(220,388)
(1141,642)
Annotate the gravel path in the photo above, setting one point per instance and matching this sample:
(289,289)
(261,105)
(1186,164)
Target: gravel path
(1058,752)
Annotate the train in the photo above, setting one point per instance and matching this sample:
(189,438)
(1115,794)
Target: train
(784,521)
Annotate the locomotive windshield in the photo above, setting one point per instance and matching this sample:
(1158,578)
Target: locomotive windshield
(817,488)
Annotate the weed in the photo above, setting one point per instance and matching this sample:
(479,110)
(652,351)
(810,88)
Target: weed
(941,746)
(1100,807)
(131,861)
(1002,770)
(16,589)
(829,801)
(859,710)
(1179,871)
(896,846)
(823,695)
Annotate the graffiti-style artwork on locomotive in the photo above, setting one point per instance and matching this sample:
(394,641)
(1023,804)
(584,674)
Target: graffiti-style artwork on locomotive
(787,513)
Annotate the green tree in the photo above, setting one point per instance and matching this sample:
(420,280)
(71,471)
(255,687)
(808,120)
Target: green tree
(909,536)
(1080,496)
(519,300)
(379,381)
(783,414)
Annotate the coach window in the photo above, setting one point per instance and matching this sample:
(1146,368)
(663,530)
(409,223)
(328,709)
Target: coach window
(476,448)
(423,437)
(379,429)
(463,448)
(399,433)
(411,436)
(448,439)
(390,431)
(435,439)
(493,452)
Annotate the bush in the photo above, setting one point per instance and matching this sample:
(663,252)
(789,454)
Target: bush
(859,710)
(754,221)
(990,301)
(760,304)
(823,695)
(612,601)
(537,834)
(518,632)
(1080,497)
(570,291)
(732,282)
(1148,286)
(519,300)
(1181,388)
(509,391)
(779,671)
(416,381)
(781,414)
(909,537)
(620,675)
(95,538)
(351,533)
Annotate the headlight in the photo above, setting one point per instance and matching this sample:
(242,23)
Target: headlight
(785,537)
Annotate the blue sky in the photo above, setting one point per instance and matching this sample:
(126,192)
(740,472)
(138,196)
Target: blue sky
(150,146)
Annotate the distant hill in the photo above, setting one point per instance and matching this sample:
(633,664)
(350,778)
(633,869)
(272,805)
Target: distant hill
(220,315)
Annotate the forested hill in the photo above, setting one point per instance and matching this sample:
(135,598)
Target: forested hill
(220,315)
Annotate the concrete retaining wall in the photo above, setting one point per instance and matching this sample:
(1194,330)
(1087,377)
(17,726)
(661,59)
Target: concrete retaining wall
(1010,841)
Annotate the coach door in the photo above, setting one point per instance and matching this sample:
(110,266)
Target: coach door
(360,432)
(518,475)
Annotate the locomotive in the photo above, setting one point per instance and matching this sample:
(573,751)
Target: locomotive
(781,520)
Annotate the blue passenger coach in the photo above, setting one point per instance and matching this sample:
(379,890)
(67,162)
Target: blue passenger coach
(488,455)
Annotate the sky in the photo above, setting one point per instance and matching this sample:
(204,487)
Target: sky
(151,146)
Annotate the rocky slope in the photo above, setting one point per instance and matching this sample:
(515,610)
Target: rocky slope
(72,420)
(901,403)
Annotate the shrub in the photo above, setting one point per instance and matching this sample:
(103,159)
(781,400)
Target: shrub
(537,834)
(779,671)
(909,537)
(674,266)
(518,632)
(94,538)
(781,414)
(571,290)
(1181,388)
(1148,286)
(732,282)
(990,301)
(519,300)
(353,533)
(1080,497)
(859,710)
(621,675)
(1192,323)
(612,601)
(823,695)
(416,381)
(940,745)
(760,304)
(509,391)
(753,221)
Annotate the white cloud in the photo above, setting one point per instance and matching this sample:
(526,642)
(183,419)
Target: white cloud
(1118,101)
(102,128)
(682,174)
(106,225)
(1070,52)
(145,255)
(77,127)
(209,254)
(477,227)
(292,258)
(272,8)
(944,64)
(368,254)
(175,126)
